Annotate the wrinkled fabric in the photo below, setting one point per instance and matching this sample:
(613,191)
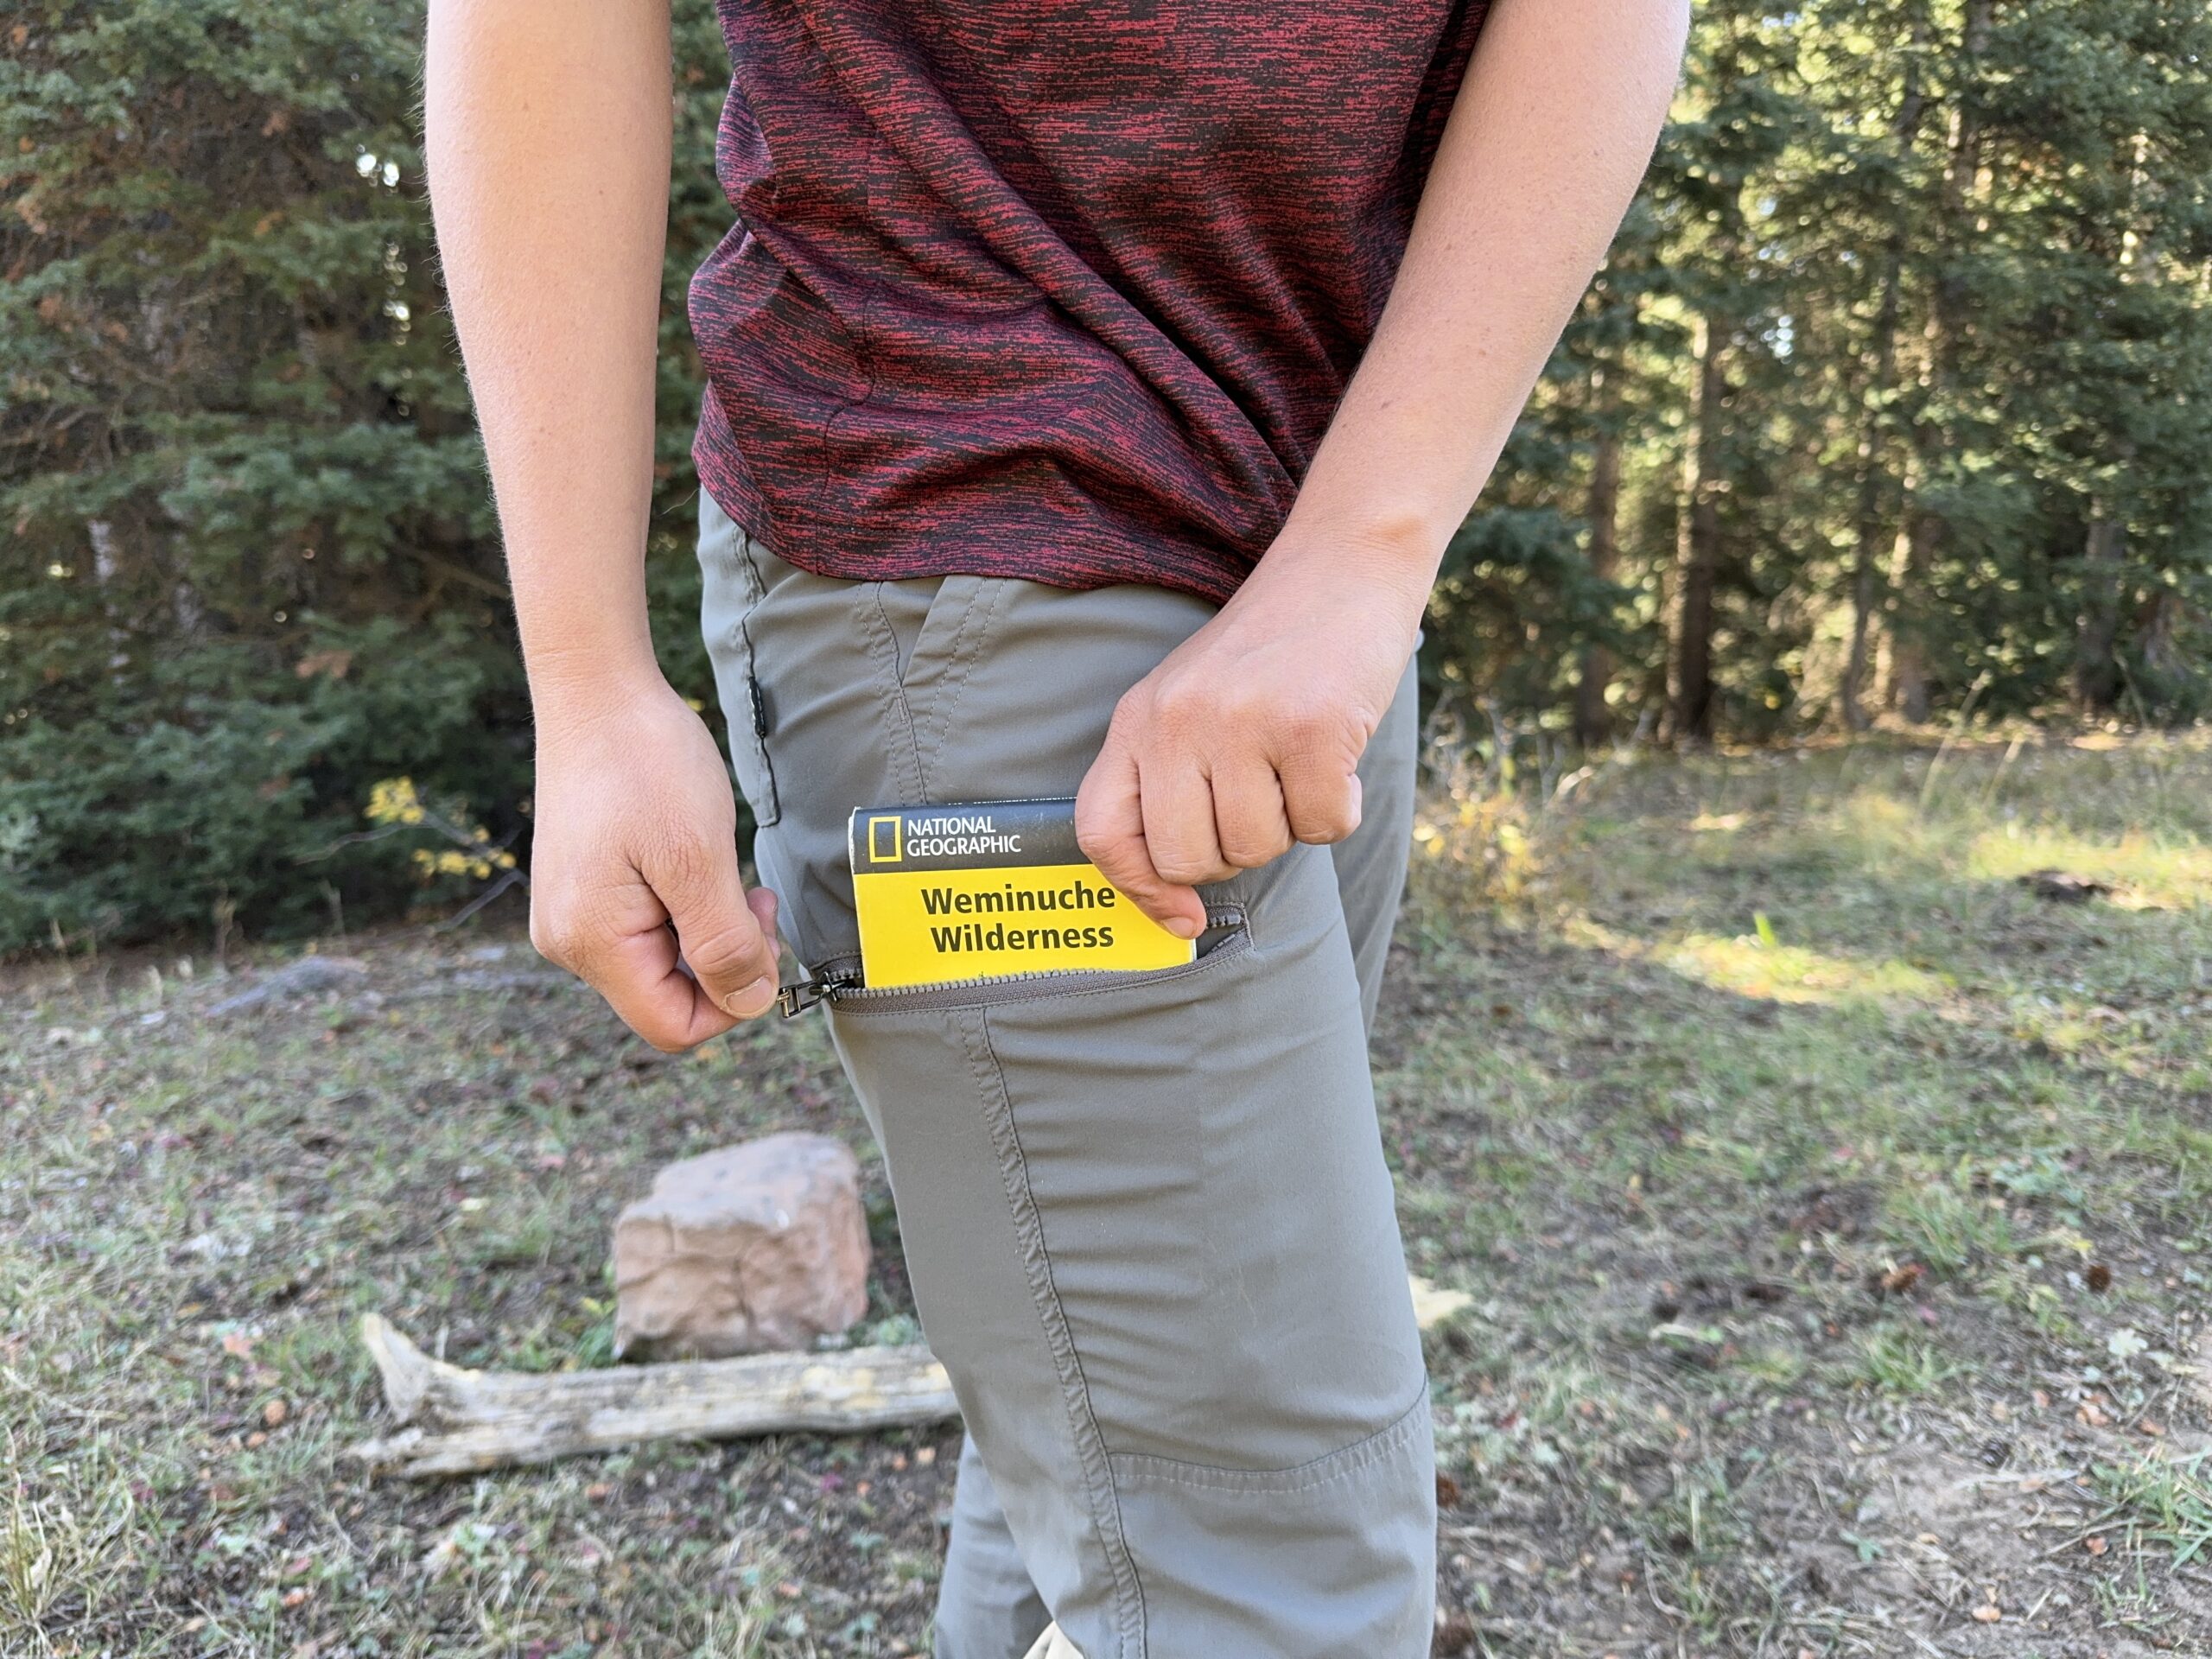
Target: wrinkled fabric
(1066,292)
(1147,1217)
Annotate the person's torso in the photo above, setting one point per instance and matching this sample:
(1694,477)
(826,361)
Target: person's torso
(1061,290)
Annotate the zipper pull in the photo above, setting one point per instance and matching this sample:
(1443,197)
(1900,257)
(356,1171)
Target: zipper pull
(792,1000)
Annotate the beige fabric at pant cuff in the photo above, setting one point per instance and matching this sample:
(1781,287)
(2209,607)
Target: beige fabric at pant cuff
(1053,1645)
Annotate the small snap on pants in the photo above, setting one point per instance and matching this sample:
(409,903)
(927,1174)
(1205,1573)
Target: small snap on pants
(1149,1228)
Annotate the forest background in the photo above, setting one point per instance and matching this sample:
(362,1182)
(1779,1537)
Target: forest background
(1891,407)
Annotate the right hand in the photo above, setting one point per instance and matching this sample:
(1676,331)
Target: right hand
(633,879)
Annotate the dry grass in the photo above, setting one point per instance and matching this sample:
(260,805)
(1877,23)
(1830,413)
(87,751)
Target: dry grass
(1833,1212)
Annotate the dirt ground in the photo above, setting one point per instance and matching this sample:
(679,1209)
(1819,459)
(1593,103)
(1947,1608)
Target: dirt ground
(1832,1204)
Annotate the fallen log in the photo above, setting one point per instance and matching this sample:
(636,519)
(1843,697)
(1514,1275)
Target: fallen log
(456,1421)
(460,1421)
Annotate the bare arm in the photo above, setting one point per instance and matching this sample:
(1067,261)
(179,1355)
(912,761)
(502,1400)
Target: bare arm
(1245,739)
(549,130)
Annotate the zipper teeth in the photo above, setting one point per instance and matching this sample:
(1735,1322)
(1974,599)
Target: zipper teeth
(837,988)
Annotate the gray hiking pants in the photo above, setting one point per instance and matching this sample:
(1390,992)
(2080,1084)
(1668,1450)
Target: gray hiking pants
(1147,1217)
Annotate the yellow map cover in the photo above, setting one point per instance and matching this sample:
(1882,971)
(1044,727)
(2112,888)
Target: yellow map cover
(947,893)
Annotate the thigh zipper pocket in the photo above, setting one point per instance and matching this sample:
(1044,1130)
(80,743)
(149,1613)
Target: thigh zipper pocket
(841,983)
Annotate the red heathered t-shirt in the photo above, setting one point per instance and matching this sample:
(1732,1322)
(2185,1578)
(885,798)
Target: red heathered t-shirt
(1053,289)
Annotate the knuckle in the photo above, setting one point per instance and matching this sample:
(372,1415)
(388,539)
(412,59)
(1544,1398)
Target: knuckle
(553,934)
(1250,852)
(1323,828)
(720,947)
(1185,869)
(1110,851)
(663,1022)
(575,932)
(1135,706)
(1305,721)
(1180,711)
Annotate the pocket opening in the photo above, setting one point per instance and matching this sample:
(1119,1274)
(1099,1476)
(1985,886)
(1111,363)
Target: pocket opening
(750,724)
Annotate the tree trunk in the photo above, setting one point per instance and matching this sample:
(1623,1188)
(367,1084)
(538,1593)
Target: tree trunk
(1908,656)
(2097,678)
(1923,529)
(1866,584)
(2158,635)
(1697,556)
(1593,721)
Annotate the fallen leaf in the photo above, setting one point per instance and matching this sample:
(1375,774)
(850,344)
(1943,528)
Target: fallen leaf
(1455,1633)
(1433,1307)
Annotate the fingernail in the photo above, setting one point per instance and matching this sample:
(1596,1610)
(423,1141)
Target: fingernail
(754,999)
(1182,927)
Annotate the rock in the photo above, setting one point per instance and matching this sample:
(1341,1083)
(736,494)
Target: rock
(1432,1306)
(308,976)
(752,1246)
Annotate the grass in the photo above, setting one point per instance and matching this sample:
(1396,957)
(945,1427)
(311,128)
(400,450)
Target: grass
(2168,1499)
(1831,1212)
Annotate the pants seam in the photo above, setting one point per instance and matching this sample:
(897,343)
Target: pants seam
(882,647)
(1313,1476)
(963,656)
(756,593)
(1090,1443)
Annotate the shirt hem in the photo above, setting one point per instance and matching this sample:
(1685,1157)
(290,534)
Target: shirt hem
(998,544)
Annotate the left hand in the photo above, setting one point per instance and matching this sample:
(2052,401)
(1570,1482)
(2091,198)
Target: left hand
(1247,737)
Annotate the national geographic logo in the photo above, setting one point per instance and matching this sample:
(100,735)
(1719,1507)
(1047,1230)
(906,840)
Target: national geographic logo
(887,840)
(996,834)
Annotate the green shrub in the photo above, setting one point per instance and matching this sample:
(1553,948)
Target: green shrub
(251,564)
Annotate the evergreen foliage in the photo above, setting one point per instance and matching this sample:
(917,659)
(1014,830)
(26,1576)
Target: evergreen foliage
(1894,397)
(251,567)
